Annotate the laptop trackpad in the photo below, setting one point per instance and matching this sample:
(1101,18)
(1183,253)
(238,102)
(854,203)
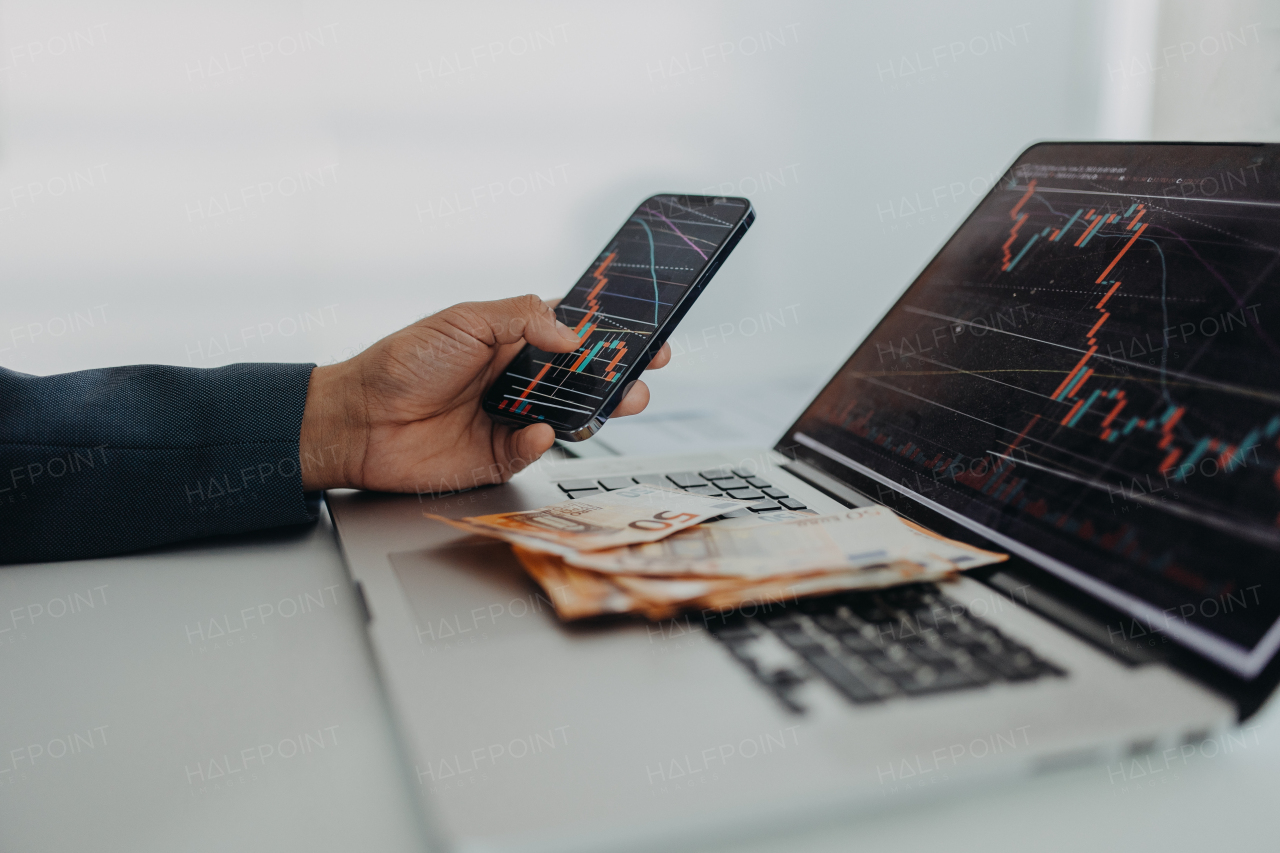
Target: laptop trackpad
(470,590)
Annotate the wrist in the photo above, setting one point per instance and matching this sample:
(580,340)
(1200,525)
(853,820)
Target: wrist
(331,440)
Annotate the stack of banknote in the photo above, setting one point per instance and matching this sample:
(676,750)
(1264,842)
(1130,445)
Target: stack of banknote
(648,550)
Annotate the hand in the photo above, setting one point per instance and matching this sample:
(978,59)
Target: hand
(405,414)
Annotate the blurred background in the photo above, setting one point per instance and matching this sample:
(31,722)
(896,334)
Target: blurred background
(199,184)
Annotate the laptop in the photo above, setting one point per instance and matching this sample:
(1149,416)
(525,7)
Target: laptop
(1085,377)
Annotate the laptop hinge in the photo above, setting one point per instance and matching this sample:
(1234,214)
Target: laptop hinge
(1083,626)
(828,485)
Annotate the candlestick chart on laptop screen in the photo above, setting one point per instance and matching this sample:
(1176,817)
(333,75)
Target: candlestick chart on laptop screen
(1091,368)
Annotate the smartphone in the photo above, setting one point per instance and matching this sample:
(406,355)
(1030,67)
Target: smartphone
(622,309)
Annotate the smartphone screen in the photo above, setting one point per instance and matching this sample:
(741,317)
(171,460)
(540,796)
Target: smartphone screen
(622,309)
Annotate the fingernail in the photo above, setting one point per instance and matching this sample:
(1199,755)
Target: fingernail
(565,330)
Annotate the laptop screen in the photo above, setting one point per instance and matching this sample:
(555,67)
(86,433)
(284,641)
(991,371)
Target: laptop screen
(1088,374)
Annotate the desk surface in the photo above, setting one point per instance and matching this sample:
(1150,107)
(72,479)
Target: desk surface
(216,696)
(222,696)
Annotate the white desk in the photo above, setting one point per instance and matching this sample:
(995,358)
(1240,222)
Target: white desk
(221,696)
(217,696)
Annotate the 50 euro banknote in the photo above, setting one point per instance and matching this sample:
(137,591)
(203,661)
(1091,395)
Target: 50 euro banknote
(849,540)
(630,516)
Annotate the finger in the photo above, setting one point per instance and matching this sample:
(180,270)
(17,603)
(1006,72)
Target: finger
(508,321)
(507,352)
(525,446)
(635,401)
(550,303)
(662,359)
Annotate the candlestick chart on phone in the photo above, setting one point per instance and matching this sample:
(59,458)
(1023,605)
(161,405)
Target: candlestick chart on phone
(619,304)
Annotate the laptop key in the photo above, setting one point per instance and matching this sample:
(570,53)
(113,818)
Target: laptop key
(926,653)
(732,483)
(834,624)
(582,493)
(789,503)
(841,677)
(929,680)
(776,494)
(765,506)
(709,491)
(612,483)
(797,638)
(745,494)
(686,479)
(734,513)
(575,485)
(855,642)
(716,474)
(759,483)
(652,480)
(1018,666)
(897,670)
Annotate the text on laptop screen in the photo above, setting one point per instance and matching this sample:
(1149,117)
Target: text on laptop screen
(1090,368)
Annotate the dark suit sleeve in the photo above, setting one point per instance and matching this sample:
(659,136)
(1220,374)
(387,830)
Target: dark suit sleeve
(107,461)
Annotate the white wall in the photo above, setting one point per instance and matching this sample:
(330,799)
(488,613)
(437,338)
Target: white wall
(128,129)
(1217,71)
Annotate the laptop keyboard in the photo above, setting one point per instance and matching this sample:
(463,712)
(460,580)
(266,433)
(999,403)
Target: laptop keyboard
(873,646)
(717,482)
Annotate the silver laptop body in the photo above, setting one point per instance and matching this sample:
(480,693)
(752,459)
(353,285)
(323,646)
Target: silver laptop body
(529,734)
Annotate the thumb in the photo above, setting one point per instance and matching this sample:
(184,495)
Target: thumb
(528,318)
